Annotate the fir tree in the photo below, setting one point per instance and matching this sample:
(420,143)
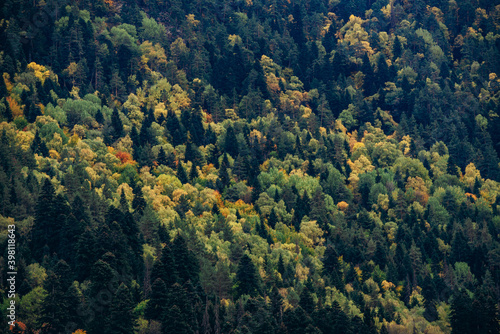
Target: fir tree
(193,172)
(117,125)
(162,157)
(247,278)
(181,173)
(231,143)
(121,313)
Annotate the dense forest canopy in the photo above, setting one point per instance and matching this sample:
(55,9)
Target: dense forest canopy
(257,166)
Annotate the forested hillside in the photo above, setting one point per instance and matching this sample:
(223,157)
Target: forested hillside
(257,166)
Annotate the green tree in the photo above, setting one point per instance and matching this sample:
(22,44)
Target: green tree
(181,173)
(247,279)
(121,315)
(231,143)
(157,302)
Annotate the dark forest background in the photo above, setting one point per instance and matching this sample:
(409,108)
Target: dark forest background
(251,166)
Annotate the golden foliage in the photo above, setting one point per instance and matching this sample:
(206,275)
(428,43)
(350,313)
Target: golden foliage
(6,79)
(40,71)
(386,285)
(124,157)
(14,107)
(342,205)
(421,191)
(469,195)
(471,173)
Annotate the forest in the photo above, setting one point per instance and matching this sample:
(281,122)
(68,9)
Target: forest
(250,166)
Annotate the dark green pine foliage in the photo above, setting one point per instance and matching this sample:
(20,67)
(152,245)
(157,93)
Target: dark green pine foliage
(181,173)
(179,316)
(146,135)
(298,321)
(369,80)
(306,301)
(73,228)
(31,112)
(196,128)
(136,142)
(303,208)
(99,117)
(138,203)
(134,240)
(101,290)
(49,217)
(157,302)
(162,157)
(193,172)
(121,313)
(332,320)
(186,265)
(165,268)
(331,267)
(223,173)
(273,219)
(397,49)
(59,308)
(38,146)
(231,143)
(247,279)
(461,317)
(117,125)
(175,130)
(191,153)
(86,253)
(7,114)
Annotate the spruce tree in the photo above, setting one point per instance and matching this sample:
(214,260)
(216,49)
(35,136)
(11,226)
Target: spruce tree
(231,143)
(181,173)
(247,278)
(162,157)
(273,219)
(157,302)
(117,124)
(121,313)
(193,172)
(138,203)
(223,173)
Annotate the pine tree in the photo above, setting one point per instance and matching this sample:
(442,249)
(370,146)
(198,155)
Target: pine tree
(193,172)
(175,130)
(461,313)
(121,315)
(180,315)
(45,221)
(59,307)
(102,286)
(99,117)
(181,173)
(196,128)
(38,146)
(31,112)
(138,203)
(186,264)
(231,143)
(157,302)
(306,300)
(397,49)
(223,173)
(165,268)
(117,125)
(7,114)
(247,278)
(273,219)
(162,157)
